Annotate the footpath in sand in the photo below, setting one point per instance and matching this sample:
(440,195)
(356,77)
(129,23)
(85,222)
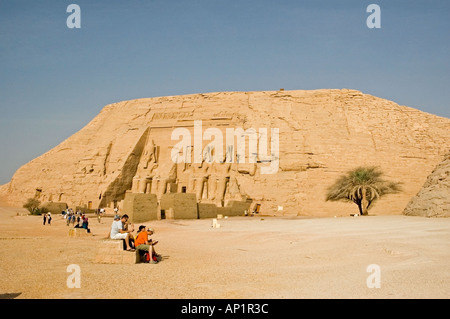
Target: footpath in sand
(247,257)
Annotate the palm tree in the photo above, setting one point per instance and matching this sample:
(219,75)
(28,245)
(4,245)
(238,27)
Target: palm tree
(362,186)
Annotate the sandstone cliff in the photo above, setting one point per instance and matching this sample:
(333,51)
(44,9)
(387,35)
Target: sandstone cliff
(433,199)
(322,134)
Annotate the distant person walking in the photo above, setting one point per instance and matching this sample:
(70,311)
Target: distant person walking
(49,219)
(45,218)
(101,211)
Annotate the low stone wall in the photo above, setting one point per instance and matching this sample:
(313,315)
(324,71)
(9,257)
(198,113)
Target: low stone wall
(184,205)
(238,208)
(55,207)
(207,210)
(140,207)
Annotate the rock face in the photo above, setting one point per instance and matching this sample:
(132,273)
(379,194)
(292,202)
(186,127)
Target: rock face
(296,144)
(433,200)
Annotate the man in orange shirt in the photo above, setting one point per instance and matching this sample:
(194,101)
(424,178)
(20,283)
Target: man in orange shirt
(143,243)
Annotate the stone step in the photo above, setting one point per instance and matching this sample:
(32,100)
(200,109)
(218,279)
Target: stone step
(111,252)
(78,232)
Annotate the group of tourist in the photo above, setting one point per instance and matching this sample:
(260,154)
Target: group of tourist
(77,219)
(122,230)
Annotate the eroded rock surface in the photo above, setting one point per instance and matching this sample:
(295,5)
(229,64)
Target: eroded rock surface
(433,199)
(322,134)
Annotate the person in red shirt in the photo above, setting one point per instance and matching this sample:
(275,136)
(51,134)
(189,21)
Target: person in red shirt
(142,242)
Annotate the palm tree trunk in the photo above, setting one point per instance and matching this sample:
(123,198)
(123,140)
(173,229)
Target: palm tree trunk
(364,203)
(360,208)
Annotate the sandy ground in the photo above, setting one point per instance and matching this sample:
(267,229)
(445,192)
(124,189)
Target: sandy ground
(247,257)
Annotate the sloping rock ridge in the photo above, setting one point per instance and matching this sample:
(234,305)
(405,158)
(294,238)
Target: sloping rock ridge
(433,199)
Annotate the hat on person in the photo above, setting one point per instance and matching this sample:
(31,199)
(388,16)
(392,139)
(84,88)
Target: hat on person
(117,217)
(151,229)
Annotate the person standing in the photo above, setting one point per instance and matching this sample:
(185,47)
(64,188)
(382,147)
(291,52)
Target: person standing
(100,214)
(49,219)
(86,224)
(45,218)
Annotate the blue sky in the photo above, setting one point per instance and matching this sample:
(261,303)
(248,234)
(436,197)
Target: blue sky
(54,80)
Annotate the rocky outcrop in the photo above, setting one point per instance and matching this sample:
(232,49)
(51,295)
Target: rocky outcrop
(321,134)
(433,200)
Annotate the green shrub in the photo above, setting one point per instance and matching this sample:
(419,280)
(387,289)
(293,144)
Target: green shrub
(32,205)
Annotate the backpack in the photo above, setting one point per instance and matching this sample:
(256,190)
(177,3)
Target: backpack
(146,257)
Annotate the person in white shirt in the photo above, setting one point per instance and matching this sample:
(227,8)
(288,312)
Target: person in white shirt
(117,231)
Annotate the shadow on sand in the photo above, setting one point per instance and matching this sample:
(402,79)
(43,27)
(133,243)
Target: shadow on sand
(10,296)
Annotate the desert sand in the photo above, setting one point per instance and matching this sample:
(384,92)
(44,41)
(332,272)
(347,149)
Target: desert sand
(247,257)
